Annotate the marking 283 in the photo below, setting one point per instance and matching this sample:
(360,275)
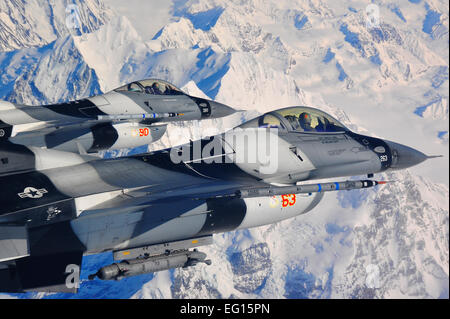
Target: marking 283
(288,200)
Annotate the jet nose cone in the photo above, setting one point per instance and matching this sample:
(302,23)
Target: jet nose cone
(220,110)
(404,156)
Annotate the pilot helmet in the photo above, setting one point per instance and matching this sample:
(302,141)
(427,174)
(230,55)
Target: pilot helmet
(305,118)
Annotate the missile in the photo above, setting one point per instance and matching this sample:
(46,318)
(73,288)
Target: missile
(143,116)
(139,266)
(308,188)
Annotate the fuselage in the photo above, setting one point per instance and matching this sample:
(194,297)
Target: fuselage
(111,204)
(150,209)
(129,116)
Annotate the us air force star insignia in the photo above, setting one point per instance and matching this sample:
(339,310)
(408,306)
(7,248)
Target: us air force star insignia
(32,192)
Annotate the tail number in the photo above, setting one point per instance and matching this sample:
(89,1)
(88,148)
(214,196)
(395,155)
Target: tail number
(288,200)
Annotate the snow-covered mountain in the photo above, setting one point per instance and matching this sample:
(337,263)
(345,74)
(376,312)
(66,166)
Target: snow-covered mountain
(31,23)
(387,77)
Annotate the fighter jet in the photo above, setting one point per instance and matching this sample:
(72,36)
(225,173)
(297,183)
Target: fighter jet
(132,115)
(154,210)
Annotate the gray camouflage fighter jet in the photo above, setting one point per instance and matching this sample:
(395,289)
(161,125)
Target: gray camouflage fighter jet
(132,115)
(152,210)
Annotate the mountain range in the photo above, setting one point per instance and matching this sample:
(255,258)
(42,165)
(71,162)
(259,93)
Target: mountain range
(386,77)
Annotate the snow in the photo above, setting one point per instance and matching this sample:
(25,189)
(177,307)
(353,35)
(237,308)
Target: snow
(328,56)
(109,49)
(37,23)
(431,20)
(147,17)
(204,20)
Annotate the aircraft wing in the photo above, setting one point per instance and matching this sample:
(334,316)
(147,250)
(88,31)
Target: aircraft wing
(47,271)
(31,261)
(13,242)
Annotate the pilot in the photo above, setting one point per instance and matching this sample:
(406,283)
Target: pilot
(158,88)
(305,122)
(170,90)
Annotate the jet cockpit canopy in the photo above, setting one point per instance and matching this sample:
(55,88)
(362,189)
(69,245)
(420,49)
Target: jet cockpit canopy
(151,86)
(298,118)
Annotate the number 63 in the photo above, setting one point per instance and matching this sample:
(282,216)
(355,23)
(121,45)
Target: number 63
(288,200)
